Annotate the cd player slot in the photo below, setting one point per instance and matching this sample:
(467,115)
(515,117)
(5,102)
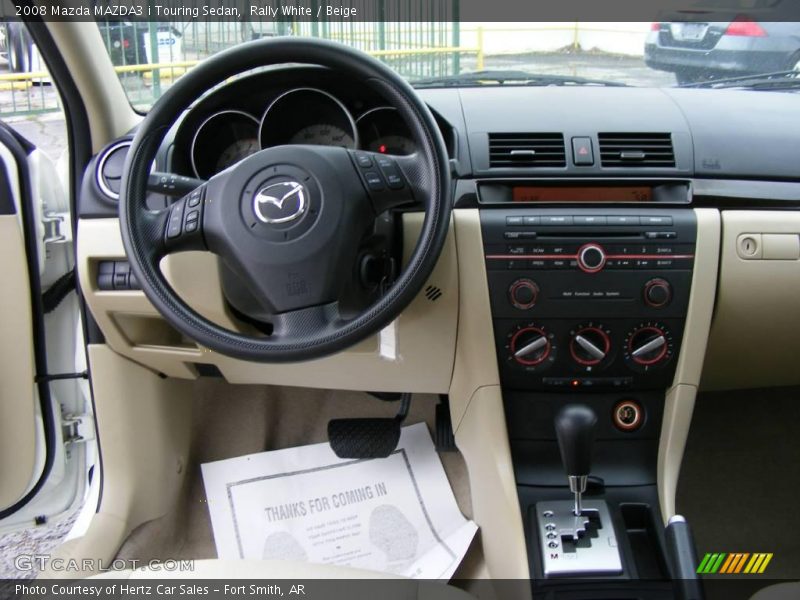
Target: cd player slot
(628,235)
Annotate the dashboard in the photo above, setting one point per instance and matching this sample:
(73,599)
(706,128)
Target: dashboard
(588,154)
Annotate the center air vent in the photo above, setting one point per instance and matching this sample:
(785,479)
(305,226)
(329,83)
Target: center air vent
(636,150)
(522,150)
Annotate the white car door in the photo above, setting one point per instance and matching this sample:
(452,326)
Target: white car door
(46,429)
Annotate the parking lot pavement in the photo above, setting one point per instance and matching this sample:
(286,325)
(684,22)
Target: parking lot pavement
(48,132)
(594,65)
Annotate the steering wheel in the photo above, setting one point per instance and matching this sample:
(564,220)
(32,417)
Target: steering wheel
(288,220)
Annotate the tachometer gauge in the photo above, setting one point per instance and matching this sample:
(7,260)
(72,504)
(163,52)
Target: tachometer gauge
(237,151)
(323,135)
(223,139)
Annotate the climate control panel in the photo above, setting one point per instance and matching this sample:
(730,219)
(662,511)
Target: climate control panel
(590,306)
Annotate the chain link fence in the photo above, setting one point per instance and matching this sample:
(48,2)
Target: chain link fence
(416,39)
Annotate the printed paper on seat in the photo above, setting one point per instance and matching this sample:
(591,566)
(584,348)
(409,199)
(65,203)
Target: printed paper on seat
(396,515)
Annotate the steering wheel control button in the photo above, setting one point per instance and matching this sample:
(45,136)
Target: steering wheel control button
(390,172)
(628,415)
(194,199)
(523,294)
(175,220)
(363,159)
(591,258)
(374,181)
(657,293)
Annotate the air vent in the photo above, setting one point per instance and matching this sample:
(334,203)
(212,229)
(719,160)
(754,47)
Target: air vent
(525,150)
(636,150)
(109,168)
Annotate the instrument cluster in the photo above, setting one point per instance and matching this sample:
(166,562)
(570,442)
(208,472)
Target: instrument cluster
(298,115)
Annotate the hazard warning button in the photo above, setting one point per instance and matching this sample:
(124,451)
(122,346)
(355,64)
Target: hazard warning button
(582,154)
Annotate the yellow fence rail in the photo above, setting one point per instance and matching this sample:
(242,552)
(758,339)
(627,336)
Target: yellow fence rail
(33,103)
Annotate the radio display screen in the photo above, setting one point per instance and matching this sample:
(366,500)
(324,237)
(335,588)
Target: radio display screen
(582,194)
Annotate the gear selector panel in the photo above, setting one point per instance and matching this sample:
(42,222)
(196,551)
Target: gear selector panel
(577,545)
(588,299)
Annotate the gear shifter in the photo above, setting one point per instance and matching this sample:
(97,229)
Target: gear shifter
(567,530)
(575,431)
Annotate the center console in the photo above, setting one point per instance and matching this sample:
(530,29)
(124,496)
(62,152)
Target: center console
(588,298)
(589,304)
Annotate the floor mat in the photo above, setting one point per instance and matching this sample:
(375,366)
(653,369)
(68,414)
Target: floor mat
(234,420)
(740,477)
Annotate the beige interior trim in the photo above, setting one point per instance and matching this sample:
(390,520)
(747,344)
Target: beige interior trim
(476,406)
(476,358)
(144,431)
(18,397)
(757,299)
(416,354)
(679,401)
(107,107)
(483,440)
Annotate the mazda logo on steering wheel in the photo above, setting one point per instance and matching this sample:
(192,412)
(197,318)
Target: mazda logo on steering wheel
(280,202)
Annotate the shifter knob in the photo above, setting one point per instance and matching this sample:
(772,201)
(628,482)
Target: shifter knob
(575,431)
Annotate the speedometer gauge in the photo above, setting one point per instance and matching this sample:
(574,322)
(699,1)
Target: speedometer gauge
(307,116)
(323,135)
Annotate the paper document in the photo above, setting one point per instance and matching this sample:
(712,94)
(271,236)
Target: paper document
(395,514)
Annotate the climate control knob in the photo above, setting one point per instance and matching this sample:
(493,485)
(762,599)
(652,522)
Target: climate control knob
(648,345)
(591,258)
(657,293)
(530,346)
(590,345)
(523,293)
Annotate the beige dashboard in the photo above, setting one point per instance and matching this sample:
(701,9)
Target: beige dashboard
(755,296)
(415,353)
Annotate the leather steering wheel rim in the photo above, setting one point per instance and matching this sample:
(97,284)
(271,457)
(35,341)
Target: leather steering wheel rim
(305,334)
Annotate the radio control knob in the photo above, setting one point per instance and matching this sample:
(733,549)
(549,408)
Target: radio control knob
(657,293)
(591,258)
(523,293)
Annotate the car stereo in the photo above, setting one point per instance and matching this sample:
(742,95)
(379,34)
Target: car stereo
(588,298)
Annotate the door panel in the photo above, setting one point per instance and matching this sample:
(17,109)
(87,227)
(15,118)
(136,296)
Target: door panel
(19,413)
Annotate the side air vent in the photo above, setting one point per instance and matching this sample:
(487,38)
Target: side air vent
(109,168)
(526,150)
(636,150)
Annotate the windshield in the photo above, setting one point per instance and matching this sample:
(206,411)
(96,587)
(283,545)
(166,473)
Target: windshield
(150,56)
